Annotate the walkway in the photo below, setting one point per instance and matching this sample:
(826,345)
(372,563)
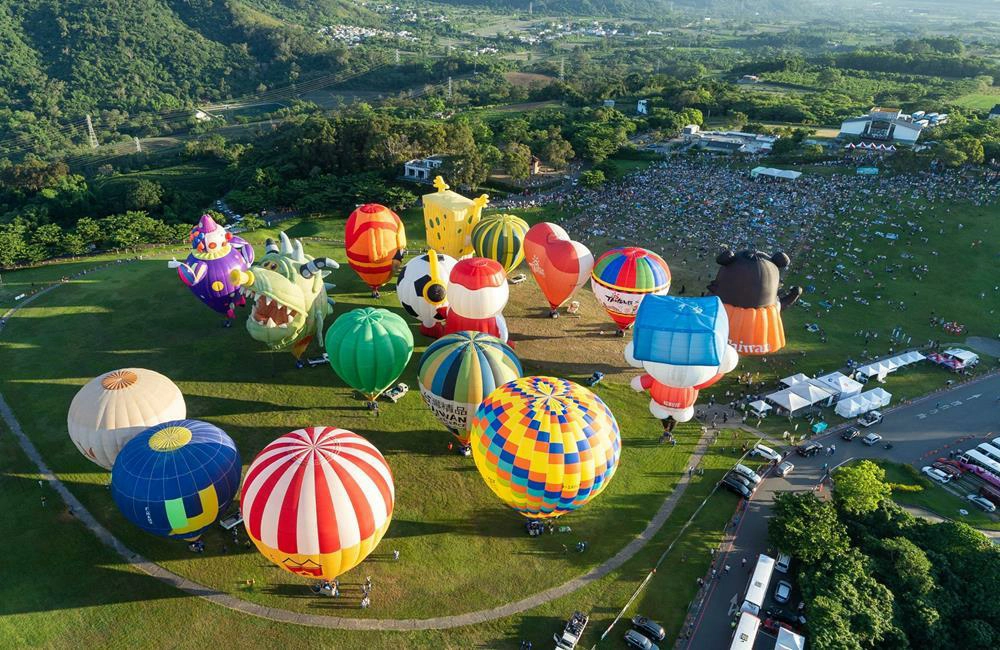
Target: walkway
(336,622)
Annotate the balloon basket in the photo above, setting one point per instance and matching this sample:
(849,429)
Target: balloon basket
(554,313)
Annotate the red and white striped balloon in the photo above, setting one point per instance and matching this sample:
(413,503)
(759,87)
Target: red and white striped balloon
(317,501)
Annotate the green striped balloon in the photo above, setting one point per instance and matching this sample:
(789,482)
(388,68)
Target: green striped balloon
(500,237)
(369,348)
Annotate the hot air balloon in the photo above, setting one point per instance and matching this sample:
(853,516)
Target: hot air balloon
(176,478)
(457,371)
(747,283)
(449,218)
(422,289)
(288,296)
(681,341)
(681,345)
(117,406)
(376,243)
(559,264)
(369,348)
(500,237)
(317,501)
(622,277)
(545,446)
(477,294)
(208,270)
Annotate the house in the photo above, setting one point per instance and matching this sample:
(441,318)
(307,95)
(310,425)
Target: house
(422,170)
(748,79)
(887,124)
(995,112)
(642,107)
(536,165)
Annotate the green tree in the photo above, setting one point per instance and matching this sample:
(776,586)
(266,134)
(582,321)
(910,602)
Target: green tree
(252,222)
(860,488)
(13,243)
(144,195)
(49,238)
(806,527)
(517,160)
(88,230)
(556,150)
(592,178)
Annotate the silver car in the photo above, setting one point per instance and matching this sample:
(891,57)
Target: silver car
(785,468)
(982,502)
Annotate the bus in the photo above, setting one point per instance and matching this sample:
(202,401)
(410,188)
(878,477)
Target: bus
(757,587)
(989,450)
(746,632)
(984,461)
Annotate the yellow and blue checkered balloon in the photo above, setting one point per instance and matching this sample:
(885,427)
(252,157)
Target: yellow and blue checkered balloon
(545,446)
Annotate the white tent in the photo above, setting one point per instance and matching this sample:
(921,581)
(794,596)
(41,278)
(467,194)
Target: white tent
(774,173)
(794,379)
(877,369)
(891,364)
(760,408)
(878,396)
(841,385)
(964,356)
(913,357)
(813,392)
(788,400)
(854,406)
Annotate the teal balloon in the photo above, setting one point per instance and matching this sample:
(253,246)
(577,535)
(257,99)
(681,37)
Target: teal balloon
(369,348)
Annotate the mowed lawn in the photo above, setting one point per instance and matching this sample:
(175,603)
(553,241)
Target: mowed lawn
(461,549)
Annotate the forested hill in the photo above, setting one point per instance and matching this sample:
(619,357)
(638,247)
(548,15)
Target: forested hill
(67,57)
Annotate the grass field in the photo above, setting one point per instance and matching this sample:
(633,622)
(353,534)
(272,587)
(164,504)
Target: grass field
(460,549)
(980,101)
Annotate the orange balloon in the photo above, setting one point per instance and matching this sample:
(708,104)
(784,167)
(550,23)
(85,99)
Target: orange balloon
(375,240)
(756,331)
(559,264)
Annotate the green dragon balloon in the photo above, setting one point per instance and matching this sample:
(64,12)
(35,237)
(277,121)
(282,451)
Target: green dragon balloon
(287,295)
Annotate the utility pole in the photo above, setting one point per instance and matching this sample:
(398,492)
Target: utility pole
(91,135)
(449,88)
(138,145)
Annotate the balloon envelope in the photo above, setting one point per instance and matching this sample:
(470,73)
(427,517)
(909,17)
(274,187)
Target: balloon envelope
(458,370)
(176,478)
(369,348)
(449,219)
(117,406)
(207,271)
(622,277)
(560,265)
(681,331)
(375,239)
(317,501)
(545,446)
(422,289)
(500,237)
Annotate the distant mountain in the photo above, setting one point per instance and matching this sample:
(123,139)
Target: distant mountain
(61,57)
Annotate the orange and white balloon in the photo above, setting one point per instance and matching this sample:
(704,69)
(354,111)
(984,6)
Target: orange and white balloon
(317,501)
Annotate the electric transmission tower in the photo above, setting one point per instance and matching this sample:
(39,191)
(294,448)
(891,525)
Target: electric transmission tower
(91,135)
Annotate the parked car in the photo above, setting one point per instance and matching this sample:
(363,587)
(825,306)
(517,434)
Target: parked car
(936,474)
(785,617)
(783,592)
(871,439)
(850,434)
(746,473)
(765,452)
(870,418)
(517,279)
(809,449)
(635,640)
(982,502)
(395,393)
(783,563)
(785,468)
(947,469)
(733,485)
(649,627)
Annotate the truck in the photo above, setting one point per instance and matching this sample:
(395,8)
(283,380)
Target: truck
(571,634)
(870,418)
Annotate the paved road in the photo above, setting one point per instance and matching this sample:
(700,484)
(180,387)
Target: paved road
(919,432)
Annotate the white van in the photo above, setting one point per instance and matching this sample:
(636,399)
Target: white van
(747,473)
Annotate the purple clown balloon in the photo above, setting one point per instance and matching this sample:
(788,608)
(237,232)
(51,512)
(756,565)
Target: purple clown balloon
(215,254)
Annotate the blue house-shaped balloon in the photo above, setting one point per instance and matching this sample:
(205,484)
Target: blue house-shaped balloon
(680,331)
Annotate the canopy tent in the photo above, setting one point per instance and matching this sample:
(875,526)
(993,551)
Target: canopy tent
(788,401)
(879,396)
(913,357)
(794,379)
(891,364)
(813,391)
(774,173)
(877,369)
(855,406)
(759,408)
(841,385)
(964,356)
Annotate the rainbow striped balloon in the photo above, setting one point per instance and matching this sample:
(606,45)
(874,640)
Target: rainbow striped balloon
(317,501)
(458,370)
(622,277)
(545,446)
(500,237)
